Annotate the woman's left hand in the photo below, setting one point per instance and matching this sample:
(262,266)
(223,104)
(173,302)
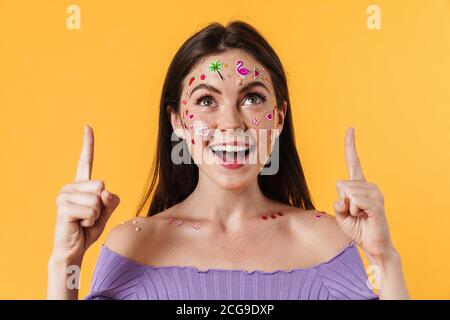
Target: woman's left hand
(360,210)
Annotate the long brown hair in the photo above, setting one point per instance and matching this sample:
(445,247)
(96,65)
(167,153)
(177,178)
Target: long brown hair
(171,183)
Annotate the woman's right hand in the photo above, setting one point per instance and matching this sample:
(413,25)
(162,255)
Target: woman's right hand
(83,208)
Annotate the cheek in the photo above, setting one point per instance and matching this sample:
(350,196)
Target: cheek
(261,120)
(188,115)
(201,130)
(197,125)
(189,118)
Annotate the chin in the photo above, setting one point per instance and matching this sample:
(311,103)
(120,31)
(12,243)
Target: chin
(234,179)
(232,183)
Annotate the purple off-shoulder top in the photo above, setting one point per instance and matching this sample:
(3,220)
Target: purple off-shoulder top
(119,277)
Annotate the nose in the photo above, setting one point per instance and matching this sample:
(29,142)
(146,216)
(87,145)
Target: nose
(230,118)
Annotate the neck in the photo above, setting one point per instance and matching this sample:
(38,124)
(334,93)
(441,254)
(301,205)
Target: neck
(228,208)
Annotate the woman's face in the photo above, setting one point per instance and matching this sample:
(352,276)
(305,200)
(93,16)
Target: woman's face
(227,116)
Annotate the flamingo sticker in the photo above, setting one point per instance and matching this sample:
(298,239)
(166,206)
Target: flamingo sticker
(240,69)
(216,66)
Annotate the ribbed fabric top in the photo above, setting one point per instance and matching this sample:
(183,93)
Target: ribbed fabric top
(119,277)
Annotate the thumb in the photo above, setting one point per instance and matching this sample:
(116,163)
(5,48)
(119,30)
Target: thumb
(341,208)
(110,202)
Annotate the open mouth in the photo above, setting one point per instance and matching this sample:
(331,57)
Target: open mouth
(232,154)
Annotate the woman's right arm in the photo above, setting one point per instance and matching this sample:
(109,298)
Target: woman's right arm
(83,209)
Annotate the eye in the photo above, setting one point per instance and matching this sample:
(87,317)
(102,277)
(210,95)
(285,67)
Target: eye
(205,101)
(254,98)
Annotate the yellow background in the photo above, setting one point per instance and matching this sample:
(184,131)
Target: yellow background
(392,84)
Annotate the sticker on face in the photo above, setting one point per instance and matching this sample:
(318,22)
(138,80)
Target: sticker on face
(191,81)
(255,121)
(202,77)
(256,73)
(269,116)
(216,66)
(200,128)
(202,131)
(240,69)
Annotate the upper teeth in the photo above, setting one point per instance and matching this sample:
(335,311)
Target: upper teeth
(229,148)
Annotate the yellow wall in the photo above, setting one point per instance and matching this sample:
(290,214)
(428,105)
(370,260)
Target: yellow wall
(392,84)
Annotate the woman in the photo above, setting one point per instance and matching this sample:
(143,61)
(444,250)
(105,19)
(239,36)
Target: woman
(239,222)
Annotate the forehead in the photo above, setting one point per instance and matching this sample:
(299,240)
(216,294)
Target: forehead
(228,57)
(226,64)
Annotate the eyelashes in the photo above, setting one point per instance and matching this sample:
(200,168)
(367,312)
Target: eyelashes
(204,96)
(260,96)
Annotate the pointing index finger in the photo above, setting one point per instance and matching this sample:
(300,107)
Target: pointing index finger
(351,156)
(84,168)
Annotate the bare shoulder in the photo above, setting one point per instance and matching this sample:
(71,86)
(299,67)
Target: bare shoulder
(133,237)
(318,231)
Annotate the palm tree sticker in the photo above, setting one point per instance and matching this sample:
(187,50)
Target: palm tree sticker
(216,66)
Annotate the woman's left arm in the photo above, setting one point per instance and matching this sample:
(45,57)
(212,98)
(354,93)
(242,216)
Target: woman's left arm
(360,214)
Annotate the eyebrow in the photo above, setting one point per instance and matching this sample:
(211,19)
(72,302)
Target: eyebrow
(248,86)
